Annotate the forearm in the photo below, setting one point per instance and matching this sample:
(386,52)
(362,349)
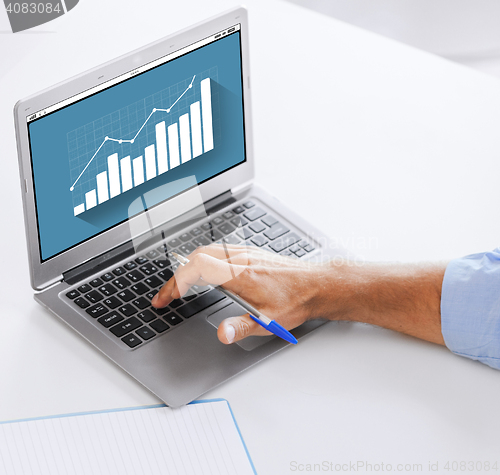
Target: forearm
(404,298)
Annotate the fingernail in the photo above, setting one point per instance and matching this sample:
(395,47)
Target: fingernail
(155,300)
(230,333)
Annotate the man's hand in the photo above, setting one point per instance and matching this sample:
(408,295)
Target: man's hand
(281,288)
(402,297)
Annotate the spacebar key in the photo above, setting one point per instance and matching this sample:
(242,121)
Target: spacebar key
(201,303)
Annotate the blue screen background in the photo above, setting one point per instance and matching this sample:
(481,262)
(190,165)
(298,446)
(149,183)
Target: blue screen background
(58,228)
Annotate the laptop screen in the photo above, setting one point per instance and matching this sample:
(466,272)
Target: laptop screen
(95,153)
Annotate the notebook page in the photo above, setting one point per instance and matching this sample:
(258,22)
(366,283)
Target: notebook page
(196,439)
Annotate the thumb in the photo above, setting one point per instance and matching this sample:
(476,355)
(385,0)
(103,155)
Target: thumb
(234,329)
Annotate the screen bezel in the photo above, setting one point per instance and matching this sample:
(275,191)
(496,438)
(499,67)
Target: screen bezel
(50,271)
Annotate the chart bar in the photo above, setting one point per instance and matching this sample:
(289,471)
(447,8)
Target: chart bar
(196,129)
(206,114)
(138,171)
(91,199)
(102,187)
(161,148)
(114,176)
(185,139)
(79,209)
(149,154)
(173,145)
(126,172)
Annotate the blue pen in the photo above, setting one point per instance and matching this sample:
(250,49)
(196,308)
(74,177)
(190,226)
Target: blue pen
(265,322)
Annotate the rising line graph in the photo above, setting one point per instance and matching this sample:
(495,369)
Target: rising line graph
(132,140)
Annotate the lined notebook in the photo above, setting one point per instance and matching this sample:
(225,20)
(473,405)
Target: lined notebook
(200,438)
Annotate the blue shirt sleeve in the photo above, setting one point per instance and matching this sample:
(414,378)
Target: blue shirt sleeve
(470,307)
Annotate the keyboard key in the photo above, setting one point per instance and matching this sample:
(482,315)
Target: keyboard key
(244,233)
(259,240)
(97,310)
(127,310)
(283,243)
(196,232)
(148,268)
(126,295)
(119,271)
(96,282)
(217,220)
(110,320)
(151,294)
(121,283)
(84,288)
(141,303)
(249,204)
(257,227)
(81,302)
(141,260)
(108,289)
(239,222)
(160,311)
(214,235)
(135,276)
(145,333)
(174,243)
(226,228)
(130,265)
(153,281)
(232,239)
(175,303)
(112,302)
(201,241)
(140,288)
(159,325)
(286,253)
(126,326)
(300,253)
(275,231)
(132,340)
(309,248)
(146,316)
(94,296)
(187,248)
(73,294)
(185,237)
(238,209)
(166,274)
(254,214)
(107,277)
(172,318)
(189,297)
(206,226)
(269,220)
(161,263)
(204,301)
(295,248)
(227,215)
(152,254)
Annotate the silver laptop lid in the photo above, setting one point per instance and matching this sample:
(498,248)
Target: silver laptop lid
(90,146)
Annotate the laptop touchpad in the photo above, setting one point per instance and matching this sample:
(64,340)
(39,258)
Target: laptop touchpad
(234,310)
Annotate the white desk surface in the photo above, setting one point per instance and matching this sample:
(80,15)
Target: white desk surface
(389,149)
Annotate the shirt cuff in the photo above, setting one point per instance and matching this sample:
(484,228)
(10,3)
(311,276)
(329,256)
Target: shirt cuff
(470,307)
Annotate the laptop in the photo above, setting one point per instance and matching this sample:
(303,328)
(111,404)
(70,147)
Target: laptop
(150,153)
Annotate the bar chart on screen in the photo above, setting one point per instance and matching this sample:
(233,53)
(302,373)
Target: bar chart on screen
(145,140)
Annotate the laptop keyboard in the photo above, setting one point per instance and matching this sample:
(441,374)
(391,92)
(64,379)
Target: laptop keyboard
(120,299)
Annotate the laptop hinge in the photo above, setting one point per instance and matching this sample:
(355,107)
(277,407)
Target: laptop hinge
(219,202)
(119,253)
